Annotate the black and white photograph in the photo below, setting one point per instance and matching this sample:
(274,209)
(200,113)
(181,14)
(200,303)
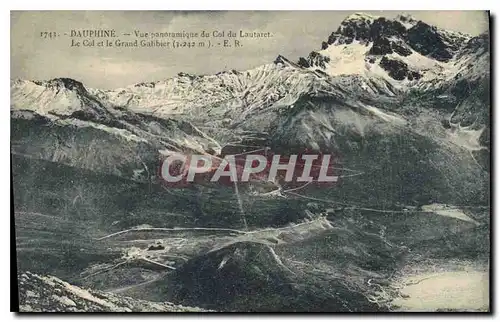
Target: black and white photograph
(251,161)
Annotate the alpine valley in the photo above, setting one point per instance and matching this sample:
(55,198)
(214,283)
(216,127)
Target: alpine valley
(404,105)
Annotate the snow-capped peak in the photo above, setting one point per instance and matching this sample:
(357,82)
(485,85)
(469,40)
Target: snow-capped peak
(406,20)
(360,16)
(283,60)
(67,83)
(58,96)
(371,54)
(403,51)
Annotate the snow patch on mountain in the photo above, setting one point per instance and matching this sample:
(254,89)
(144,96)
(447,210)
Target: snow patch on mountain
(127,135)
(465,137)
(448,211)
(345,60)
(386,116)
(38,97)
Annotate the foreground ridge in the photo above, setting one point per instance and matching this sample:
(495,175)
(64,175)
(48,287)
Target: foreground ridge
(50,294)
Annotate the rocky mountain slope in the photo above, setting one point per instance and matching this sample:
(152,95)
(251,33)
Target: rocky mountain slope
(403,106)
(50,294)
(402,51)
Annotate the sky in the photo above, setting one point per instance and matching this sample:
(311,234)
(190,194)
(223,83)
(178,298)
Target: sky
(294,34)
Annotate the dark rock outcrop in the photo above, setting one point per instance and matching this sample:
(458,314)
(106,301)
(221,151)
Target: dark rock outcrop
(429,41)
(398,69)
(387,36)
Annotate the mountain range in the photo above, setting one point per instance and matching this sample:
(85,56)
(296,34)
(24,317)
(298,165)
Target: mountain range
(403,104)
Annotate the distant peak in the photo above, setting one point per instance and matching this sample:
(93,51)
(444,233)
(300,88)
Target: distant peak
(68,83)
(360,16)
(282,60)
(407,20)
(405,17)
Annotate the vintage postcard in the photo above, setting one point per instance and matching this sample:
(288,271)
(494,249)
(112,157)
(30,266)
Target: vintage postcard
(251,161)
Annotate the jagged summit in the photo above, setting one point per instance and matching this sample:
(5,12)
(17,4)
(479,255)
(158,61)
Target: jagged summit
(284,61)
(477,45)
(370,54)
(359,16)
(404,28)
(365,28)
(281,59)
(407,20)
(395,50)
(68,83)
(58,96)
